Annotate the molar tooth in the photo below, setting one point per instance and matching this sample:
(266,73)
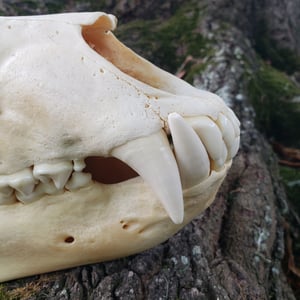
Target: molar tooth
(78,165)
(212,139)
(228,134)
(78,180)
(23,182)
(191,155)
(58,172)
(152,158)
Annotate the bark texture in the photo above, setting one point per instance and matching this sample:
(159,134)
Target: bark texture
(236,248)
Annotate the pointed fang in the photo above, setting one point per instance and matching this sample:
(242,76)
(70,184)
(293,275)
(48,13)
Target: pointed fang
(152,158)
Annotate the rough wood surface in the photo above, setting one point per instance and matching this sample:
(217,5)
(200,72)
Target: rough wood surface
(235,249)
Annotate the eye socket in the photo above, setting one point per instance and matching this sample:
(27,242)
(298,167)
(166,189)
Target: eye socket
(108,170)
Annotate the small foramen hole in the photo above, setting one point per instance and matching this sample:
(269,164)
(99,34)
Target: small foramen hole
(125,226)
(69,240)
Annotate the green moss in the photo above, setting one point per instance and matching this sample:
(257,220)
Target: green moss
(271,92)
(166,43)
(281,58)
(192,70)
(291,180)
(3,294)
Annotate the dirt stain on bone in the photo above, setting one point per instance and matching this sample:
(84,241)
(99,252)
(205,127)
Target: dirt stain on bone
(70,141)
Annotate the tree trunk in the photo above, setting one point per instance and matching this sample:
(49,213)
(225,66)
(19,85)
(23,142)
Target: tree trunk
(236,248)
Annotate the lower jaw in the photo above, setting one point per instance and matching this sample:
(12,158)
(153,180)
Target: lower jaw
(94,224)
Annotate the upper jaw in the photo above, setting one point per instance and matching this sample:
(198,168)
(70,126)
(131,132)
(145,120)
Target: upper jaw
(200,149)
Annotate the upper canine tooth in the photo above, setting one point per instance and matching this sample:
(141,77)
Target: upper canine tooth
(23,181)
(58,172)
(152,158)
(191,155)
(212,139)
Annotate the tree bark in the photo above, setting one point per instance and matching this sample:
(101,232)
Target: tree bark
(236,248)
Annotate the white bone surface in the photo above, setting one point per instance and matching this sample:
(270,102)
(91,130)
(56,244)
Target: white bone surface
(69,91)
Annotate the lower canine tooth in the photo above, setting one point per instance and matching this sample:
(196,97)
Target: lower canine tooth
(191,155)
(78,180)
(152,158)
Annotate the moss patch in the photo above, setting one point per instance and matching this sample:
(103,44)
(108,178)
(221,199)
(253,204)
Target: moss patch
(291,180)
(281,58)
(271,93)
(166,42)
(3,294)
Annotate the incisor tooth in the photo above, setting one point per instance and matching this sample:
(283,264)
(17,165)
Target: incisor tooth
(235,121)
(152,158)
(191,155)
(58,172)
(228,133)
(78,180)
(235,146)
(212,139)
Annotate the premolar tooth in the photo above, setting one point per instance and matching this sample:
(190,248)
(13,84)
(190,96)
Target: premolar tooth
(40,190)
(152,158)
(78,180)
(78,165)
(23,182)
(191,155)
(6,194)
(228,134)
(211,137)
(58,172)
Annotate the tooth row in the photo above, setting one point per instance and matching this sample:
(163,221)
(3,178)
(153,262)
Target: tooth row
(31,184)
(201,145)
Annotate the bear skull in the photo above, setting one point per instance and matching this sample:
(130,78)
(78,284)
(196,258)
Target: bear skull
(102,153)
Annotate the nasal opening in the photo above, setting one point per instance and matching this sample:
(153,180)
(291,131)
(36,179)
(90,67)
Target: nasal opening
(108,170)
(108,46)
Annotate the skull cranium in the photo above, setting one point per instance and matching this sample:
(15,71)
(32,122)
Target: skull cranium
(102,154)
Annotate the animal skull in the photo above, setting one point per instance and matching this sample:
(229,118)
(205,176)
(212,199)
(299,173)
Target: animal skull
(102,153)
